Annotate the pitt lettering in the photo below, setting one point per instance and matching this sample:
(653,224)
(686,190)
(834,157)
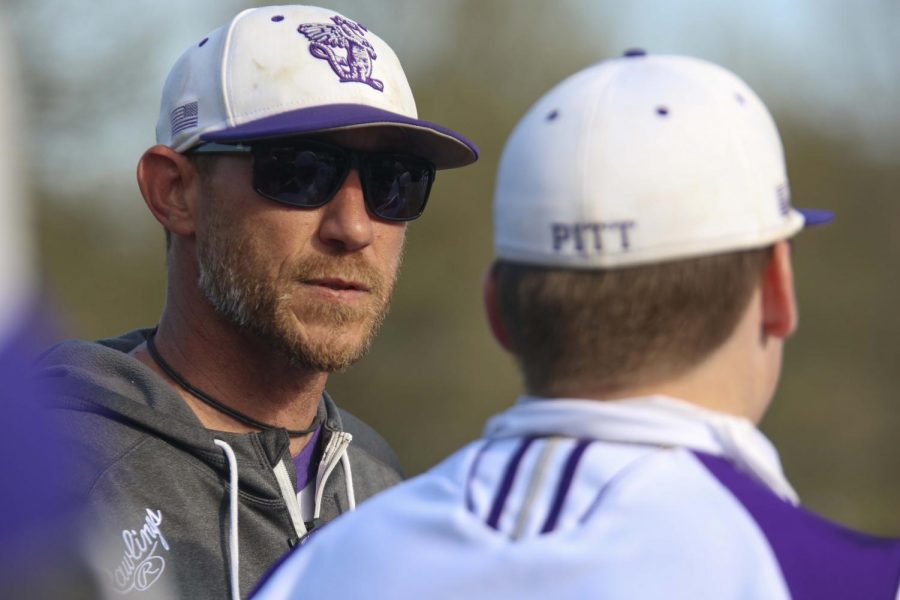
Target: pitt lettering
(591,238)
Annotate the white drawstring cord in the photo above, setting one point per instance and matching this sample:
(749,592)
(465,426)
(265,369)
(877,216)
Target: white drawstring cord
(233,548)
(290,497)
(348,480)
(334,452)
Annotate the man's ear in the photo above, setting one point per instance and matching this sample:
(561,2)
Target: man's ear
(492,309)
(168,182)
(779,304)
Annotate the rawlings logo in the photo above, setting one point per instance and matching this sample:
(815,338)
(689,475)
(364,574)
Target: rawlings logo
(356,63)
(141,566)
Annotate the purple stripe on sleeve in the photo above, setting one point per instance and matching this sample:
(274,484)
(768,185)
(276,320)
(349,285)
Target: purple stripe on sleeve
(819,559)
(509,477)
(565,482)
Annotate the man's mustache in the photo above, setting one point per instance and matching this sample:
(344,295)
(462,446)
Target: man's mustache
(351,268)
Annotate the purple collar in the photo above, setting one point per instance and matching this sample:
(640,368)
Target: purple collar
(306,466)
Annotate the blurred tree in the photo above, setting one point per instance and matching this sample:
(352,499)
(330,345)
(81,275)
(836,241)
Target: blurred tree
(434,374)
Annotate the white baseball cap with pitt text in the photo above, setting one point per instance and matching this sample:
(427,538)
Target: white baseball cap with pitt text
(282,71)
(643,159)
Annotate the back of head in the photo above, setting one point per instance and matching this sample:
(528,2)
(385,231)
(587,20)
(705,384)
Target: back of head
(635,209)
(606,330)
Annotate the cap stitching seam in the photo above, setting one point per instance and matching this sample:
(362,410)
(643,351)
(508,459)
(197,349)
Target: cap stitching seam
(223,74)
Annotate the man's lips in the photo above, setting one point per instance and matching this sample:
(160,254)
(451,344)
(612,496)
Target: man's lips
(338,285)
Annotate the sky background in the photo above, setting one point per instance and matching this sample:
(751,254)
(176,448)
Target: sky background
(830,64)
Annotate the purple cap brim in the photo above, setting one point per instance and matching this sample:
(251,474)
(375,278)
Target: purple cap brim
(444,147)
(813,216)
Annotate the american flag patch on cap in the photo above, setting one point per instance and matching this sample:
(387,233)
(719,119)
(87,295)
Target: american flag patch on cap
(184,117)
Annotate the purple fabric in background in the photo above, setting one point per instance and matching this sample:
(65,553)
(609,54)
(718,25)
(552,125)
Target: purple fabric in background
(29,446)
(42,551)
(819,559)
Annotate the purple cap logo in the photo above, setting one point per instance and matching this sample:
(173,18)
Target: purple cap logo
(325,40)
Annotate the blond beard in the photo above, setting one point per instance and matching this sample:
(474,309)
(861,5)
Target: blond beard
(233,278)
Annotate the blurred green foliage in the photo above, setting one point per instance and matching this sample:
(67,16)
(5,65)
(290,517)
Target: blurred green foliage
(435,375)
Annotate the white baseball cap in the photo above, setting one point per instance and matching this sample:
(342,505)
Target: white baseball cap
(643,159)
(281,71)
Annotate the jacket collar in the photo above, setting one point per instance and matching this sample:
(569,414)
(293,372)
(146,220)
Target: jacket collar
(651,420)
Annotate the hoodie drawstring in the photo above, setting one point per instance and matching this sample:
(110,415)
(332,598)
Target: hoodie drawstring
(335,452)
(290,498)
(233,548)
(348,480)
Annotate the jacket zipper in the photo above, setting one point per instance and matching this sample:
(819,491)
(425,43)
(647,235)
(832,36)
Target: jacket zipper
(337,445)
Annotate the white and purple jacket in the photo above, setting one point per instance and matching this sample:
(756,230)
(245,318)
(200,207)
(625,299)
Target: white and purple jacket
(640,498)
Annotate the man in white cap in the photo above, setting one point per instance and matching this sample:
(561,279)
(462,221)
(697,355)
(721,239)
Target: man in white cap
(643,283)
(290,158)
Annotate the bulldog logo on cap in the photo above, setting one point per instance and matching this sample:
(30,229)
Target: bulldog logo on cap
(345,34)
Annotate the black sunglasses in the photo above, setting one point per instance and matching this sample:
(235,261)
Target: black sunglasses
(308,174)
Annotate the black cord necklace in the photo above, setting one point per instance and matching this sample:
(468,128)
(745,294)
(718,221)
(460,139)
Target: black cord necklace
(201,395)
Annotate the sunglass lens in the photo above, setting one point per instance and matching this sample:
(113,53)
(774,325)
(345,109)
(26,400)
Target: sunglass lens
(397,187)
(305,177)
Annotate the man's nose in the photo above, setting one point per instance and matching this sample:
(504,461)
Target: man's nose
(346,223)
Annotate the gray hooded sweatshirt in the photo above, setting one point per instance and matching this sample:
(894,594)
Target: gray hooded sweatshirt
(158,486)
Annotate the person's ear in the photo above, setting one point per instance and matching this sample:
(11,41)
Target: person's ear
(492,309)
(779,304)
(168,182)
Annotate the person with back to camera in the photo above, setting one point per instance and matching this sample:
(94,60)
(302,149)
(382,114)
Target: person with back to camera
(289,160)
(643,282)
